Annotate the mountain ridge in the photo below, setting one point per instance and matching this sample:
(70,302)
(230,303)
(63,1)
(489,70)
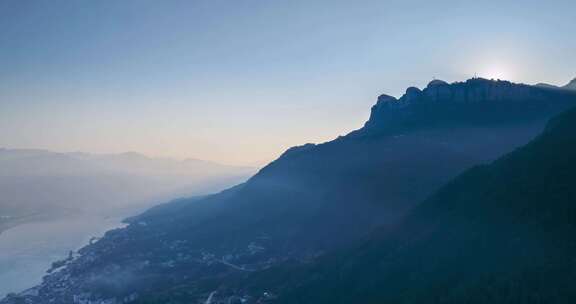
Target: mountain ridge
(127,154)
(497,233)
(569,86)
(390,110)
(311,200)
(78,181)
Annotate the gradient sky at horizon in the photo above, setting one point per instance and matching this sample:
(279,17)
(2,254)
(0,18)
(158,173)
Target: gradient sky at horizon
(240,81)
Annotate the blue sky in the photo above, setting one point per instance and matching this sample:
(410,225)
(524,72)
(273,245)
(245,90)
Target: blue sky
(240,81)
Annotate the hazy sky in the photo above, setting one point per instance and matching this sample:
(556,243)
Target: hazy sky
(239,81)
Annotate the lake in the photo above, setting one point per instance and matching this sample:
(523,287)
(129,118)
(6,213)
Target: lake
(28,250)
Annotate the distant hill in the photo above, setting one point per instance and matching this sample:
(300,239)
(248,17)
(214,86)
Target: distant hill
(498,233)
(38,182)
(546,86)
(312,201)
(569,86)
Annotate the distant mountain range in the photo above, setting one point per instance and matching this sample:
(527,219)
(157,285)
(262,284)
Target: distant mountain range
(569,86)
(256,242)
(38,183)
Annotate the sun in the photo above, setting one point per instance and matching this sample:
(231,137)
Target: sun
(496,71)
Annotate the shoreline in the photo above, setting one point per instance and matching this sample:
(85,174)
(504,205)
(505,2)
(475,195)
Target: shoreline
(12,223)
(36,241)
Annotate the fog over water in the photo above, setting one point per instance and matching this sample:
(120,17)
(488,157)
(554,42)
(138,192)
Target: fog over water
(28,250)
(52,202)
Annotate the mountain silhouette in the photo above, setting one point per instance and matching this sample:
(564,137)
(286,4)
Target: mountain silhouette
(313,200)
(571,85)
(498,233)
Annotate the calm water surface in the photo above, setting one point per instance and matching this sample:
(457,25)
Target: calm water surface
(28,250)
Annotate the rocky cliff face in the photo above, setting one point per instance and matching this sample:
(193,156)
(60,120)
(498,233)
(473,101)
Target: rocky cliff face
(475,100)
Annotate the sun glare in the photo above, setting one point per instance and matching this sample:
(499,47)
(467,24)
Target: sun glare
(496,72)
